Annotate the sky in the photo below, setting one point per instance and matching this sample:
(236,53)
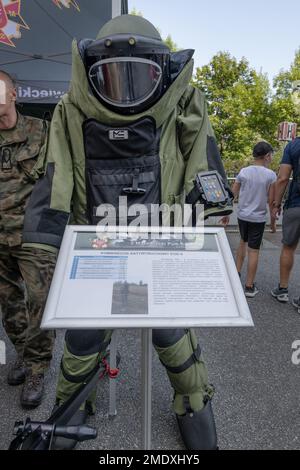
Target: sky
(266,32)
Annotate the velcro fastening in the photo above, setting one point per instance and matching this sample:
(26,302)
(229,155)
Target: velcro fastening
(187,364)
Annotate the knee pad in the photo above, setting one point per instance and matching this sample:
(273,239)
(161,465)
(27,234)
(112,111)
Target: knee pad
(178,349)
(167,338)
(86,342)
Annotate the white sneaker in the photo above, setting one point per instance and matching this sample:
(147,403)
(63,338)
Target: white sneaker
(296,304)
(251,291)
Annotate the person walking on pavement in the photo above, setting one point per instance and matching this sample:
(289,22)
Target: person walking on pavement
(255,188)
(290,165)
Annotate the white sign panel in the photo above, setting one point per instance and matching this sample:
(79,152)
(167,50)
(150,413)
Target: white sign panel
(145,278)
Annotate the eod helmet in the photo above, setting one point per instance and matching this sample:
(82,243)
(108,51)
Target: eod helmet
(128,65)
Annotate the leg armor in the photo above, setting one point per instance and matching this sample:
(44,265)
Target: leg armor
(180,353)
(198,429)
(83,350)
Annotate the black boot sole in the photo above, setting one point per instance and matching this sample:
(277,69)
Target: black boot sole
(15,383)
(61,443)
(30,405)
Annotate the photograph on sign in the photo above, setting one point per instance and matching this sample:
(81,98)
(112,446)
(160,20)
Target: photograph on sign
(136,279)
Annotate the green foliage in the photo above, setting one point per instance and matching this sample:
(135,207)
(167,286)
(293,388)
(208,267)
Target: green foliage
(242,108)
(135,12)
(171,44)
(283,82)
(284,103)
(238,103)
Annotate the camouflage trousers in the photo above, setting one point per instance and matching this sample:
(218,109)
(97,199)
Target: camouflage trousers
(25,278)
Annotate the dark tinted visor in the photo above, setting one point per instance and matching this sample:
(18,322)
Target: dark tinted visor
(125,81)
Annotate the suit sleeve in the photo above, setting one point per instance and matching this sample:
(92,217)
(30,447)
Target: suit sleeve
(197,140)
(48,210)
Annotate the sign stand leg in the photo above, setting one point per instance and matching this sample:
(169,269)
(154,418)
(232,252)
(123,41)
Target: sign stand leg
(112,382)
(146,370)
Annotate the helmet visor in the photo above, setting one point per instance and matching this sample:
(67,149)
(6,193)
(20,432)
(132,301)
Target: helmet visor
(125,81)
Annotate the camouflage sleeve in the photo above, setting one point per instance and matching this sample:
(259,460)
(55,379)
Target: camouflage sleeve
(48,210)
(39,168)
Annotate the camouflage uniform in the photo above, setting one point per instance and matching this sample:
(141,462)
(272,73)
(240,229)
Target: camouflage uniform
(25,272)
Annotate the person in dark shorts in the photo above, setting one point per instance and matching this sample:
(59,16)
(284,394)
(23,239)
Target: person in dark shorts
(290,164)
(255,186)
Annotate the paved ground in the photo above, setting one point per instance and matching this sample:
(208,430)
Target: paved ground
(257,402)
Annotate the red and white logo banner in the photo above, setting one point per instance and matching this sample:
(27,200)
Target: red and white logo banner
(10,21)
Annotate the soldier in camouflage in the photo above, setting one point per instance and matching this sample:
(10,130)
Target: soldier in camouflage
(25,272)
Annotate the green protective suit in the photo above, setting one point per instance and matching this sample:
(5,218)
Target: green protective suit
(187,146)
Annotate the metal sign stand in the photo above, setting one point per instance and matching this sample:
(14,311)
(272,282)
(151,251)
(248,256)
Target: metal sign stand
(66,305)
(112,382)
(146,387)
(146,376)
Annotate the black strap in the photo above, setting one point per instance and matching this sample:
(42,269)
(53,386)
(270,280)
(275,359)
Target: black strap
(135,189)
(187,404)
(76,379)
(123,178)
(187,364)
(193,196)
(135,181)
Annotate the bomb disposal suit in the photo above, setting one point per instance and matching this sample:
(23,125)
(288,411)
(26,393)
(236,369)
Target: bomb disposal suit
(131,125)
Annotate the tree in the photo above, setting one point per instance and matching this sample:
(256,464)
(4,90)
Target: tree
(170,43)
(283,82)
(135,12)
(284,106)
(239,106)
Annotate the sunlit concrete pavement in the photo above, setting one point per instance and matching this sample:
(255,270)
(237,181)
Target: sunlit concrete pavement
(257,399)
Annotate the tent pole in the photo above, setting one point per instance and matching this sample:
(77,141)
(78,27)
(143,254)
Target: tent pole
(116,6)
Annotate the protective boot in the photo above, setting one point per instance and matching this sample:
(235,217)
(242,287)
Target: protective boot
(17,373)
(79,418)
(198,429)
(76,366)
(180,354)
(33,390)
